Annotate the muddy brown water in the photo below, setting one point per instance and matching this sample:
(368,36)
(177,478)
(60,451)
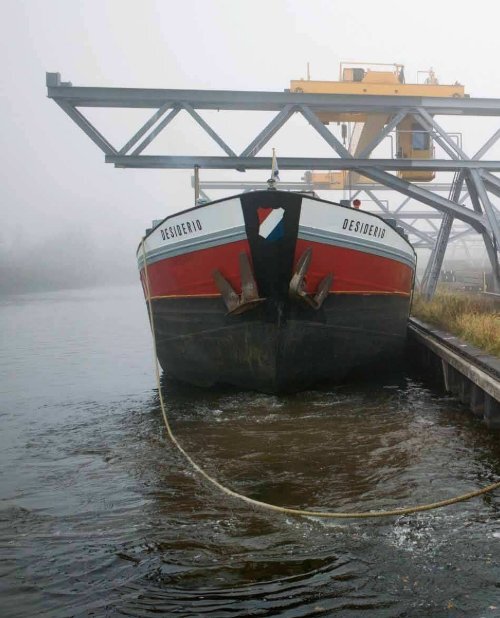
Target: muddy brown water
(100,516)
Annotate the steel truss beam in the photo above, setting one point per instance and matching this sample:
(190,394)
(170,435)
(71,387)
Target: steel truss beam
(422,195)
(262,101)
(474,179)
(296,163)
(475,172)
(399,213)
(305,185)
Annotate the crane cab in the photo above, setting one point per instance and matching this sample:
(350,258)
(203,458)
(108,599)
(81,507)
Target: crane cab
(414,142)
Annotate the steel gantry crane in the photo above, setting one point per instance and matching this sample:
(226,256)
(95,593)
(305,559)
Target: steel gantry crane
(470,195)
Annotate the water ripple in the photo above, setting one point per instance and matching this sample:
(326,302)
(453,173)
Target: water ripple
(101,516)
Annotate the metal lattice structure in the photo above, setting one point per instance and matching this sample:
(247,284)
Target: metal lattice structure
(474,178)
(409,219)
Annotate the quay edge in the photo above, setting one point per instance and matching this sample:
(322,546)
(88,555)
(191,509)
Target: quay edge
(467,372)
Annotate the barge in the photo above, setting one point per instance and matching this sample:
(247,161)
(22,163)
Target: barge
(275,291)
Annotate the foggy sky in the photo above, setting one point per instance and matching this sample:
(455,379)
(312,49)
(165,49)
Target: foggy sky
(64,211)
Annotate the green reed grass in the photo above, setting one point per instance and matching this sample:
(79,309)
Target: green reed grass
(473,318)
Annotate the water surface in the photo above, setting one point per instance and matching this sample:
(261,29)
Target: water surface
(101,516)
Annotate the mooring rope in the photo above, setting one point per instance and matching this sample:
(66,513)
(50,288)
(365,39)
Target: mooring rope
(273,507)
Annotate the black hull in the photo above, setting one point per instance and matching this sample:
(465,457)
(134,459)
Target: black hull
(279,346)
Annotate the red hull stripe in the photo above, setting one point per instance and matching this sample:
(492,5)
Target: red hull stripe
(354,271)
(191,274)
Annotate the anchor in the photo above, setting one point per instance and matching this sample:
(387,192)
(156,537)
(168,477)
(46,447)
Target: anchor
(249,298)
(297,283)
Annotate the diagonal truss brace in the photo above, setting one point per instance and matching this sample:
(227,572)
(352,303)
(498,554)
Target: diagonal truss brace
(267,133)
(208,129)
(145,128)
(156,131)
(88,128)
(390,126)
(431,275)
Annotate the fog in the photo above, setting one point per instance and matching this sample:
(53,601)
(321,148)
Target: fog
(69,220)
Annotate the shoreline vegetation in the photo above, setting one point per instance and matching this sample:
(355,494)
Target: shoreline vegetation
(473,318)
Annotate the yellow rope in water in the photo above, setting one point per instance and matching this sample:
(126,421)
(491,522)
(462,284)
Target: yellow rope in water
(274,507)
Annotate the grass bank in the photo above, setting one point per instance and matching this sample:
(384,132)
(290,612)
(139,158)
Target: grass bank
(473,318)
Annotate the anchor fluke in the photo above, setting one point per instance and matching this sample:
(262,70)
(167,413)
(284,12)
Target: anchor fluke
(297,283)
(249,297)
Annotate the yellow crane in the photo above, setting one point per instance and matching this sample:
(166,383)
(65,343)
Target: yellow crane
(362,78)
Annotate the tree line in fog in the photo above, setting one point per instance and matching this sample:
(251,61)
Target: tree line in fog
(63,261)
